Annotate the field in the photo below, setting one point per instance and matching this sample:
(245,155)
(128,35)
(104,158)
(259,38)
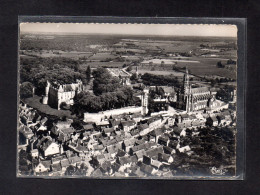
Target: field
(102,57)
(161,72)
(56,53)
(199,54)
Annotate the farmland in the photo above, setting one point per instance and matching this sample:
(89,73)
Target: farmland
(199,55)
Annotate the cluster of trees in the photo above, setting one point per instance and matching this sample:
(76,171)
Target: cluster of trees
(87,102)
(74,170)
(164,80)
(220,65)
(225,93)
(213,82)
(108,94)
(63,70)
(104,82)
(26,90)
(229,62)
(213,147)
(25,165)
(158,91)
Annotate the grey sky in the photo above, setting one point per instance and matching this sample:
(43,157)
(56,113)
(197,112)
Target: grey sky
(133,29)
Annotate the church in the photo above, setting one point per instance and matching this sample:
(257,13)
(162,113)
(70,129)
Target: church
(55,94)
(192,97)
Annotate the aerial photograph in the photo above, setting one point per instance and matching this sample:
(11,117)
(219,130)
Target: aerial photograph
(101,100)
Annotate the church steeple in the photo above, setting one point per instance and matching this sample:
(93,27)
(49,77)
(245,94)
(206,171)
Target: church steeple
(186,82)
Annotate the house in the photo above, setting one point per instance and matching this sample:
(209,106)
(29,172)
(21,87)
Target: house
(156,164)
(184,149)
(183,133)
(57,159)
(173,144)
(51,147)
(102,124)
(127,144)
(106,167)
(113,149)
(43,166)
(137,172)
(147,169)
(63,124)
(155,134)
(168,150)
(115,166)
(137,117)
(114,123)
(64,163)
(143,129)
(126,161)
(56,168)
(25,134)
(165,158)
(185,117)
(73,160)
(140,141)
(120,153)
(65,133)
(108,131)
(154,122)
(139,154)
(163,140)
(154,152)
(134,133)
(35,153)
(196,123)
(128,125)
(212,121)
(108,156)
(98,160)
(88,127)
(40,127)
(97,173)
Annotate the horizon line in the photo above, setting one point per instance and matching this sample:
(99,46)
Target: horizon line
(100,33)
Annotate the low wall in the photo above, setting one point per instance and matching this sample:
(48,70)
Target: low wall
(94,117)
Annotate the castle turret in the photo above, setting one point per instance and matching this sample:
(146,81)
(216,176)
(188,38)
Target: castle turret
(144,101)
(46,96)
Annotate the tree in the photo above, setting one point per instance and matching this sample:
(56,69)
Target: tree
(64,106)
(220,65)
(162,63)
(129,68)
(230,61)
(71,170)
(88,74)
(26,90)
(133,77)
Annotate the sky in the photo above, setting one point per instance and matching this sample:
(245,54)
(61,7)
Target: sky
(133,29)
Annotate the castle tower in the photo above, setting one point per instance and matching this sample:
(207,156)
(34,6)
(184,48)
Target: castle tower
(144,101)
(45,98)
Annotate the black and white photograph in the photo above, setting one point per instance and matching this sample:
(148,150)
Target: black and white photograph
(111,100)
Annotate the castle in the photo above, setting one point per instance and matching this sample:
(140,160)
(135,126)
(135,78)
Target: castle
(192,98)
(55,94)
